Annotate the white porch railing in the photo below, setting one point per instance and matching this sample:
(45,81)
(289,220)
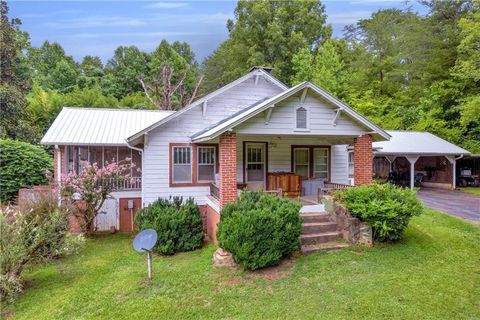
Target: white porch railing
(118,184)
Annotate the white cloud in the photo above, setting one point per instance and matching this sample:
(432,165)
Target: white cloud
(167,5)
(348,17)
(97,21)
(92,35)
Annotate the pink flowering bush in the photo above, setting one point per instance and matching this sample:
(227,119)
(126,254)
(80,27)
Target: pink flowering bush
(89,188)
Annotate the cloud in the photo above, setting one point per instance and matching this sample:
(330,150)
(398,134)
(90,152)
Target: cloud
(92,35)
(348,17)
(97,21)
(167,5)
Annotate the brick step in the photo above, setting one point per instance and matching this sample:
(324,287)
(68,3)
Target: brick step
(328,246)
(315,217)
(319,227)
(316,238)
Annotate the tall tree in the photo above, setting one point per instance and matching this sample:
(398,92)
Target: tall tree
(14,79)
(268,33)
(123,70)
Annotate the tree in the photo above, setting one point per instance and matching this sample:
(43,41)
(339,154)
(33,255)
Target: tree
(123,70)
(89,189)
(173,82)
(268,33)
(325,68)
(91,72)
(14,79)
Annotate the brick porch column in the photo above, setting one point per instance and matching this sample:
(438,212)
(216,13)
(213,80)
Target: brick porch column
(228,168)
(363,160)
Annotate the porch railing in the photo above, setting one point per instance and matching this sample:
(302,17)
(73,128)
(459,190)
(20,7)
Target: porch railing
(214,191)
(118,184)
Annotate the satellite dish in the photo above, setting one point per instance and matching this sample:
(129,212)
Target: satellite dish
(145,240)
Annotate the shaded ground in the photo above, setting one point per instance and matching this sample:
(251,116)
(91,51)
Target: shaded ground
(456,203)
(431,274)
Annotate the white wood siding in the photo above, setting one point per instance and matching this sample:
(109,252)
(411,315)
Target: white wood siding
(155,176)
(320,119)
(339,168)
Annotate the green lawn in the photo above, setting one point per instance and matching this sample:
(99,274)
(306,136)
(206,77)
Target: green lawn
(434,273)
(471,190)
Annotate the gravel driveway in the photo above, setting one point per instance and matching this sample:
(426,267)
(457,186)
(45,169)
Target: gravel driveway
(455,203)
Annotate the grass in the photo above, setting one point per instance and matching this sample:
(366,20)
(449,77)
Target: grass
(434,273)
(471,190)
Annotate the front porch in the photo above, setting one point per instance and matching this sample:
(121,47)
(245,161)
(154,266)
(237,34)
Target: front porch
(290,166)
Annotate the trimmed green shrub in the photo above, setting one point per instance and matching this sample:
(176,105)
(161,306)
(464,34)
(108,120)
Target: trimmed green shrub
(386,207)
(260,229)
(178,224)
(21,165)
(36,234)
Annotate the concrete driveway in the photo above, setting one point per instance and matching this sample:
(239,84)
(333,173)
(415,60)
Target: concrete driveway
(455,203)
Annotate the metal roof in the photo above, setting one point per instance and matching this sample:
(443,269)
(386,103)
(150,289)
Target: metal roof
(416,143)
(245,114)
(98,126)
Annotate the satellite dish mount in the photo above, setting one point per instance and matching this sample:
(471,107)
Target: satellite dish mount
(144,242)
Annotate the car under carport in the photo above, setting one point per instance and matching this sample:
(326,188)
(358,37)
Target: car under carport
(410,154)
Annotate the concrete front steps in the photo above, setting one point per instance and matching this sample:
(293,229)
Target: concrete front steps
(320,233)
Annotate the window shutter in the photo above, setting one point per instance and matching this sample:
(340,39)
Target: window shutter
(301,116)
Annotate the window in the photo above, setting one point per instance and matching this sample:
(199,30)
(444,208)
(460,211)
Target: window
(301,162)
(182,165)
(255,166)
(311,162)
(301,118)
(206,160)
(350,165)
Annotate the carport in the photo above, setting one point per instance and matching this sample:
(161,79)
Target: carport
(410,153)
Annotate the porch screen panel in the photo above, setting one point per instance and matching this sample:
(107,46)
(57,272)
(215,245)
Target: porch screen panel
(301,157)
(255,163)
(110,154)
(96,156)
(206,164)
(82,157)
(182,165)
(320,163)
(137,160)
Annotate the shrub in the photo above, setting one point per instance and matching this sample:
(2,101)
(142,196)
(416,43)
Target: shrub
(260,229)
(36,234)
(178,224)
(386,207)
(21,165)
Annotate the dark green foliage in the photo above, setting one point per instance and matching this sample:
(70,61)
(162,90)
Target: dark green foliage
(36,234)
(21,165)
(260,229)
(386,207)
(178,224)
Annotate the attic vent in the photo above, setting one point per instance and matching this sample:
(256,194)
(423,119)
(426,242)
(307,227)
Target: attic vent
(301,117)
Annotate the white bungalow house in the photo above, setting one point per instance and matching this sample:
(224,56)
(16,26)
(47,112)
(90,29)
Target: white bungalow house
(254,132)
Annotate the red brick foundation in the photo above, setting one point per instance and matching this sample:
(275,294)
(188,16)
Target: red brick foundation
(363,160)
(213,218)
(228,168)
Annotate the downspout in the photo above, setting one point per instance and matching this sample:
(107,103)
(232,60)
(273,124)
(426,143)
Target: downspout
(59,174)
(141,153)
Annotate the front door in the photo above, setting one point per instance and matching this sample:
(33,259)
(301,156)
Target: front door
(128,208)
(255,169)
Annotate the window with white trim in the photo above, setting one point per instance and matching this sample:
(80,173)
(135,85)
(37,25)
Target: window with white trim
(301,118)
(182,164)
(206,159)
(351,164)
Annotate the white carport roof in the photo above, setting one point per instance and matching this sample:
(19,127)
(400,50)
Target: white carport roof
(99,126)
(416,143)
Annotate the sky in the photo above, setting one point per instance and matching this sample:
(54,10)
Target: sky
(98,27)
